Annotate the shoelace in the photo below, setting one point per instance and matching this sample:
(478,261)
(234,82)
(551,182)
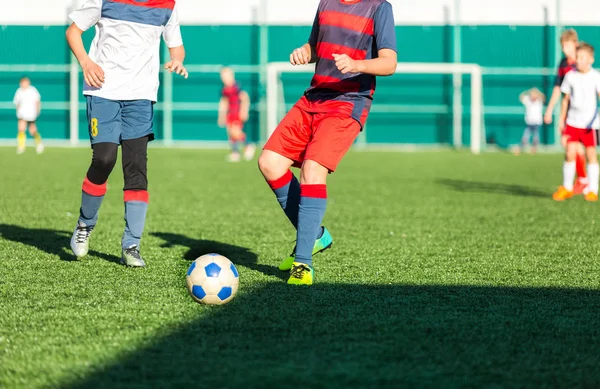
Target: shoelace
(298,271)
(133,251)
(83,234)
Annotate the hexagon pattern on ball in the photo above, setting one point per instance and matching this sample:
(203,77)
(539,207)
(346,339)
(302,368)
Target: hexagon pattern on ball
(212,279)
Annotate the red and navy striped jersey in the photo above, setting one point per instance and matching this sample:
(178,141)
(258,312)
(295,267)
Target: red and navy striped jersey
(359,29)
(563,68)
(232,94)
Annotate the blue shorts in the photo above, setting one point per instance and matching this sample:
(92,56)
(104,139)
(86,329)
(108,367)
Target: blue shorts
(113,121)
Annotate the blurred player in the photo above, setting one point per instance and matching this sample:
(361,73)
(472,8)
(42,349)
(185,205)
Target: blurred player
(121,87)
(533,100)
(568,41)
(352,41)
(579,112)
(234,108)
(29,105)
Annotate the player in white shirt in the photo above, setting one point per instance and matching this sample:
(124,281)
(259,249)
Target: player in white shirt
(579,112)
(121,86)
(29,105)
(533,100)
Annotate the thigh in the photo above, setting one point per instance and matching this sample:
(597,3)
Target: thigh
(588,138)
(104,120)
(291,136)
(138,119)
(332,137)
(22,125)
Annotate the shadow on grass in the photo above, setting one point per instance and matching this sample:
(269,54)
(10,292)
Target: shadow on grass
(342,336)
(53,242)
(238,255)
(488,187)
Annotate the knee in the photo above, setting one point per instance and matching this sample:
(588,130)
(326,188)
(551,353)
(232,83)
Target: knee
(270,166)
(313,173)
(104,161)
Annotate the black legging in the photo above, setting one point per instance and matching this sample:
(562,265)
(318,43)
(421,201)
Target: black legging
(134,158)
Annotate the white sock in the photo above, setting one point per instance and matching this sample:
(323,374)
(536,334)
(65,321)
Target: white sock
(568,175)
(593,172)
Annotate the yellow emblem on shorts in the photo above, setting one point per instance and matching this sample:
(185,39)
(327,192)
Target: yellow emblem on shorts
(94,126)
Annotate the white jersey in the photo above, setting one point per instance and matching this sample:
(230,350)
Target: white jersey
(127,44)
(534,111)
(583,89)
(27,100)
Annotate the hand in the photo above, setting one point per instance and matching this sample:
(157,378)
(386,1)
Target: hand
(548,117)
(345,64)
(92,74)
(300,56)
(561,127)
(175,66)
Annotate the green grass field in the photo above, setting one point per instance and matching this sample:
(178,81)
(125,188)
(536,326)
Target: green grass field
(448,271)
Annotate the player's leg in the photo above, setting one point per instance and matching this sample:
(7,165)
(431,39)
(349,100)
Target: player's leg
(33,131)
(249,147)
(104,125)
(593,170)
(525,139)
(535,141)
(137,132)
(21,136)
(566,190)
(233,132)
(582,180)
(332,137)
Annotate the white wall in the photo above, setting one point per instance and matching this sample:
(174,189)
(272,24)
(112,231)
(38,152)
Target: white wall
(414,12)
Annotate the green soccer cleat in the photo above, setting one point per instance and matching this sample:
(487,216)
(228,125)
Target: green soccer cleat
(131,257)
(322,244)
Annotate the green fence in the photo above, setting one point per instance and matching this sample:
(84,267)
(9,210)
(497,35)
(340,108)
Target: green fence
(499,47)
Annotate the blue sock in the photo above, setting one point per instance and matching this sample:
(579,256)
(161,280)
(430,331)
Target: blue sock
(287,190)
(313,201)
(91,200)
(136,206)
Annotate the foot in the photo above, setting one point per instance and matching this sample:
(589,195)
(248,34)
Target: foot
(591,196)
(39,148)
(580,185)
(80,241)
(249,152)
(322,244)
(301,274)
(233,157)
(562,194)
(20,150)
(131,257)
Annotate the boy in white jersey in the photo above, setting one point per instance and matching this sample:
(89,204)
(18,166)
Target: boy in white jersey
(581,90)
(28,103)
(533,100)
(121,87)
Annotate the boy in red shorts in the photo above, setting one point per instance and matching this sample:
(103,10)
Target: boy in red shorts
(579,112)
(351,42)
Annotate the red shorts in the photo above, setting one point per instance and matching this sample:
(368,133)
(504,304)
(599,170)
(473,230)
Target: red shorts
(316,135)
(585,136)
(233,120)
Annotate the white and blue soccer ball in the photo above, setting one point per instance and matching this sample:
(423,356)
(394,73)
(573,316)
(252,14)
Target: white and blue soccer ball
(212,279)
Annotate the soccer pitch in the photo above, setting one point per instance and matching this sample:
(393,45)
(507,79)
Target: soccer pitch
(448,270)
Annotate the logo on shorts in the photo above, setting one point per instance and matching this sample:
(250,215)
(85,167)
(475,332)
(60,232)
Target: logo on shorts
(94,126)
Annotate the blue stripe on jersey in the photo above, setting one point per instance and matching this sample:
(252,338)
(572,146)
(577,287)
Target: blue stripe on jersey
(136,14)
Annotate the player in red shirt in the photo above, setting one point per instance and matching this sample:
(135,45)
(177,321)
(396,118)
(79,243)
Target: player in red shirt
(568,41)
(351,42)
(234,107)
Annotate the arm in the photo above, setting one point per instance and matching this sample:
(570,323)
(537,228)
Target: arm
(244,106)
(563,110)
(83,19)
(223,106)
(385,42)
(174,41)
(551,104)
(522,96)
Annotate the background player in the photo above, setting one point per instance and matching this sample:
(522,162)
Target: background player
(234,108)
(533,100)
(351,42)
(29,105)
(121,87)
(568,41)
(581,89)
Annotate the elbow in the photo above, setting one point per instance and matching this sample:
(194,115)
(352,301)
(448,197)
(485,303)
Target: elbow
(391,68)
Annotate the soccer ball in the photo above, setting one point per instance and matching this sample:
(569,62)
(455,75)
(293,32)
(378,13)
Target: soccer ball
(212,279)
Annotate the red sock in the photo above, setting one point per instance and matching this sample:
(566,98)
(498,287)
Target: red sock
(580,166)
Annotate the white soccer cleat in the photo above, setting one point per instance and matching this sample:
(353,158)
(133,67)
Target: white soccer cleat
(249,152)
(39,148)
(233,157)
(20,150)
(80,241)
